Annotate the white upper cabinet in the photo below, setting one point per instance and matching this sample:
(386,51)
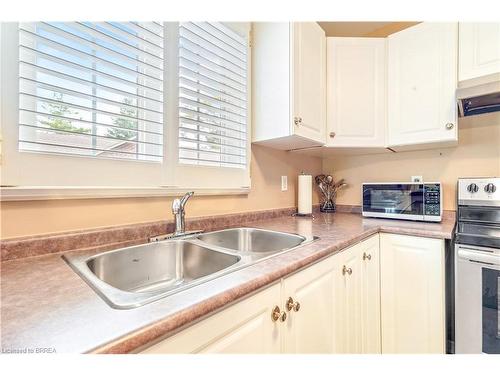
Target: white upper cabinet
(289,84)
(422,79)
(309,80)
(356,92)
(479,50)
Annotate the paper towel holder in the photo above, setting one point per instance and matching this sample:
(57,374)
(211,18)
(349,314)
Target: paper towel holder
(311,215)
(299,214)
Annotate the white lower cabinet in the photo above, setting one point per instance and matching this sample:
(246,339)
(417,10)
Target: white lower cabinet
(369,256)
(310,329)
(413,294)
(304,325)
(357,298)
(382,295)
(245,327)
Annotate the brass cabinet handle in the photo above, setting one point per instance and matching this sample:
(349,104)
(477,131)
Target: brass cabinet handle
(297,120)
(332,134)
(346,270)
(291,305)
(367,256)
(277,314)
(449,126)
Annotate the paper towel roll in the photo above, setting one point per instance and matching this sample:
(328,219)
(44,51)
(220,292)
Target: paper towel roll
(305,194)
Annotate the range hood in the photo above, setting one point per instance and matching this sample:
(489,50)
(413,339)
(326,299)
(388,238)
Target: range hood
(479,95)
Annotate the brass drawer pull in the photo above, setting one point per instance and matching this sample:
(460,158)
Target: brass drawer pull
(291,305)
(367,256)
(277,314)
(346,270)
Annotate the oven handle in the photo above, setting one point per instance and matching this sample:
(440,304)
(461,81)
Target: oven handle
(479,257)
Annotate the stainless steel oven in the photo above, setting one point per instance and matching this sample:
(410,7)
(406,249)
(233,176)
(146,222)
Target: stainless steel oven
(477,267)
(410,201)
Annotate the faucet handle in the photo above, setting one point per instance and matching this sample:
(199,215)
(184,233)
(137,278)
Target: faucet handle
(176,205)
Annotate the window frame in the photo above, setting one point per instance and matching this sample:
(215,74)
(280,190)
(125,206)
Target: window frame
(30,175)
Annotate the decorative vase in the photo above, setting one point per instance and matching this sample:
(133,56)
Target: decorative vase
(327,206)
(328,188)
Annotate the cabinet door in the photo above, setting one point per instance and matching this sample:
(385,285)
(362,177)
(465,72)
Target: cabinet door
(412,294)
(308,80)
(310,329)
(368,253)
(479,49)
(422,76)
(245,327)
(357,298)
(356,117)
(348,301)
(270,81)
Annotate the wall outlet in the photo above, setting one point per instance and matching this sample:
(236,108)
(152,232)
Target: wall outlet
(284,183)
(417,179)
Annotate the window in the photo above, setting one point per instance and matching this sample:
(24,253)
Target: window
(212,95)
(91,89)
(126,105)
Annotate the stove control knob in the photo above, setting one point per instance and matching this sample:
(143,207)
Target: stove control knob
(490,188)
(472,188)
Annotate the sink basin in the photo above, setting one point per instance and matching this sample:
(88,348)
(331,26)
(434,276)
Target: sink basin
(252,240)
(136,275)
(162,266)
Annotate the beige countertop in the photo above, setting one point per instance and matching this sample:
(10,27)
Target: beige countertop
(45,304)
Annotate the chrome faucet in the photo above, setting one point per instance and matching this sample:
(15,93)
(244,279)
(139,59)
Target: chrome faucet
(179,223)
(178,210)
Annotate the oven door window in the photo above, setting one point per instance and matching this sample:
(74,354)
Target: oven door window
(491,312)
(394,199)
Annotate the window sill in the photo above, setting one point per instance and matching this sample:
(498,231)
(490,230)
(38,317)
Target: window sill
(30,193)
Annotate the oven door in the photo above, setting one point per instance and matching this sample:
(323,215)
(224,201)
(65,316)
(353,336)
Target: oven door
(477,294)
(398,201)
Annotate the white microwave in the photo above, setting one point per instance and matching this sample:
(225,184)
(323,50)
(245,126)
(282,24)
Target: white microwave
(402,200)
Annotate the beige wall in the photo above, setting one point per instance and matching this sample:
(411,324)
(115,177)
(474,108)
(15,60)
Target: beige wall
(478,154)
(51,216)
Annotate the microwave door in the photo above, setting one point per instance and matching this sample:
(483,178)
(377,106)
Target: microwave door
(393,199)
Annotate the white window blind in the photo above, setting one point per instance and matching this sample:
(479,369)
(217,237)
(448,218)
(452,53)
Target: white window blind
(92,89)
(212,95)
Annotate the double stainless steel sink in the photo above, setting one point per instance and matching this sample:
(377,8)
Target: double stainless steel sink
(133,276)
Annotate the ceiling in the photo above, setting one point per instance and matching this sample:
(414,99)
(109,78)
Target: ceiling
(363,29)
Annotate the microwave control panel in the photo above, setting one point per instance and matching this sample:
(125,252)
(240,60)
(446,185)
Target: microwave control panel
(432,199)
